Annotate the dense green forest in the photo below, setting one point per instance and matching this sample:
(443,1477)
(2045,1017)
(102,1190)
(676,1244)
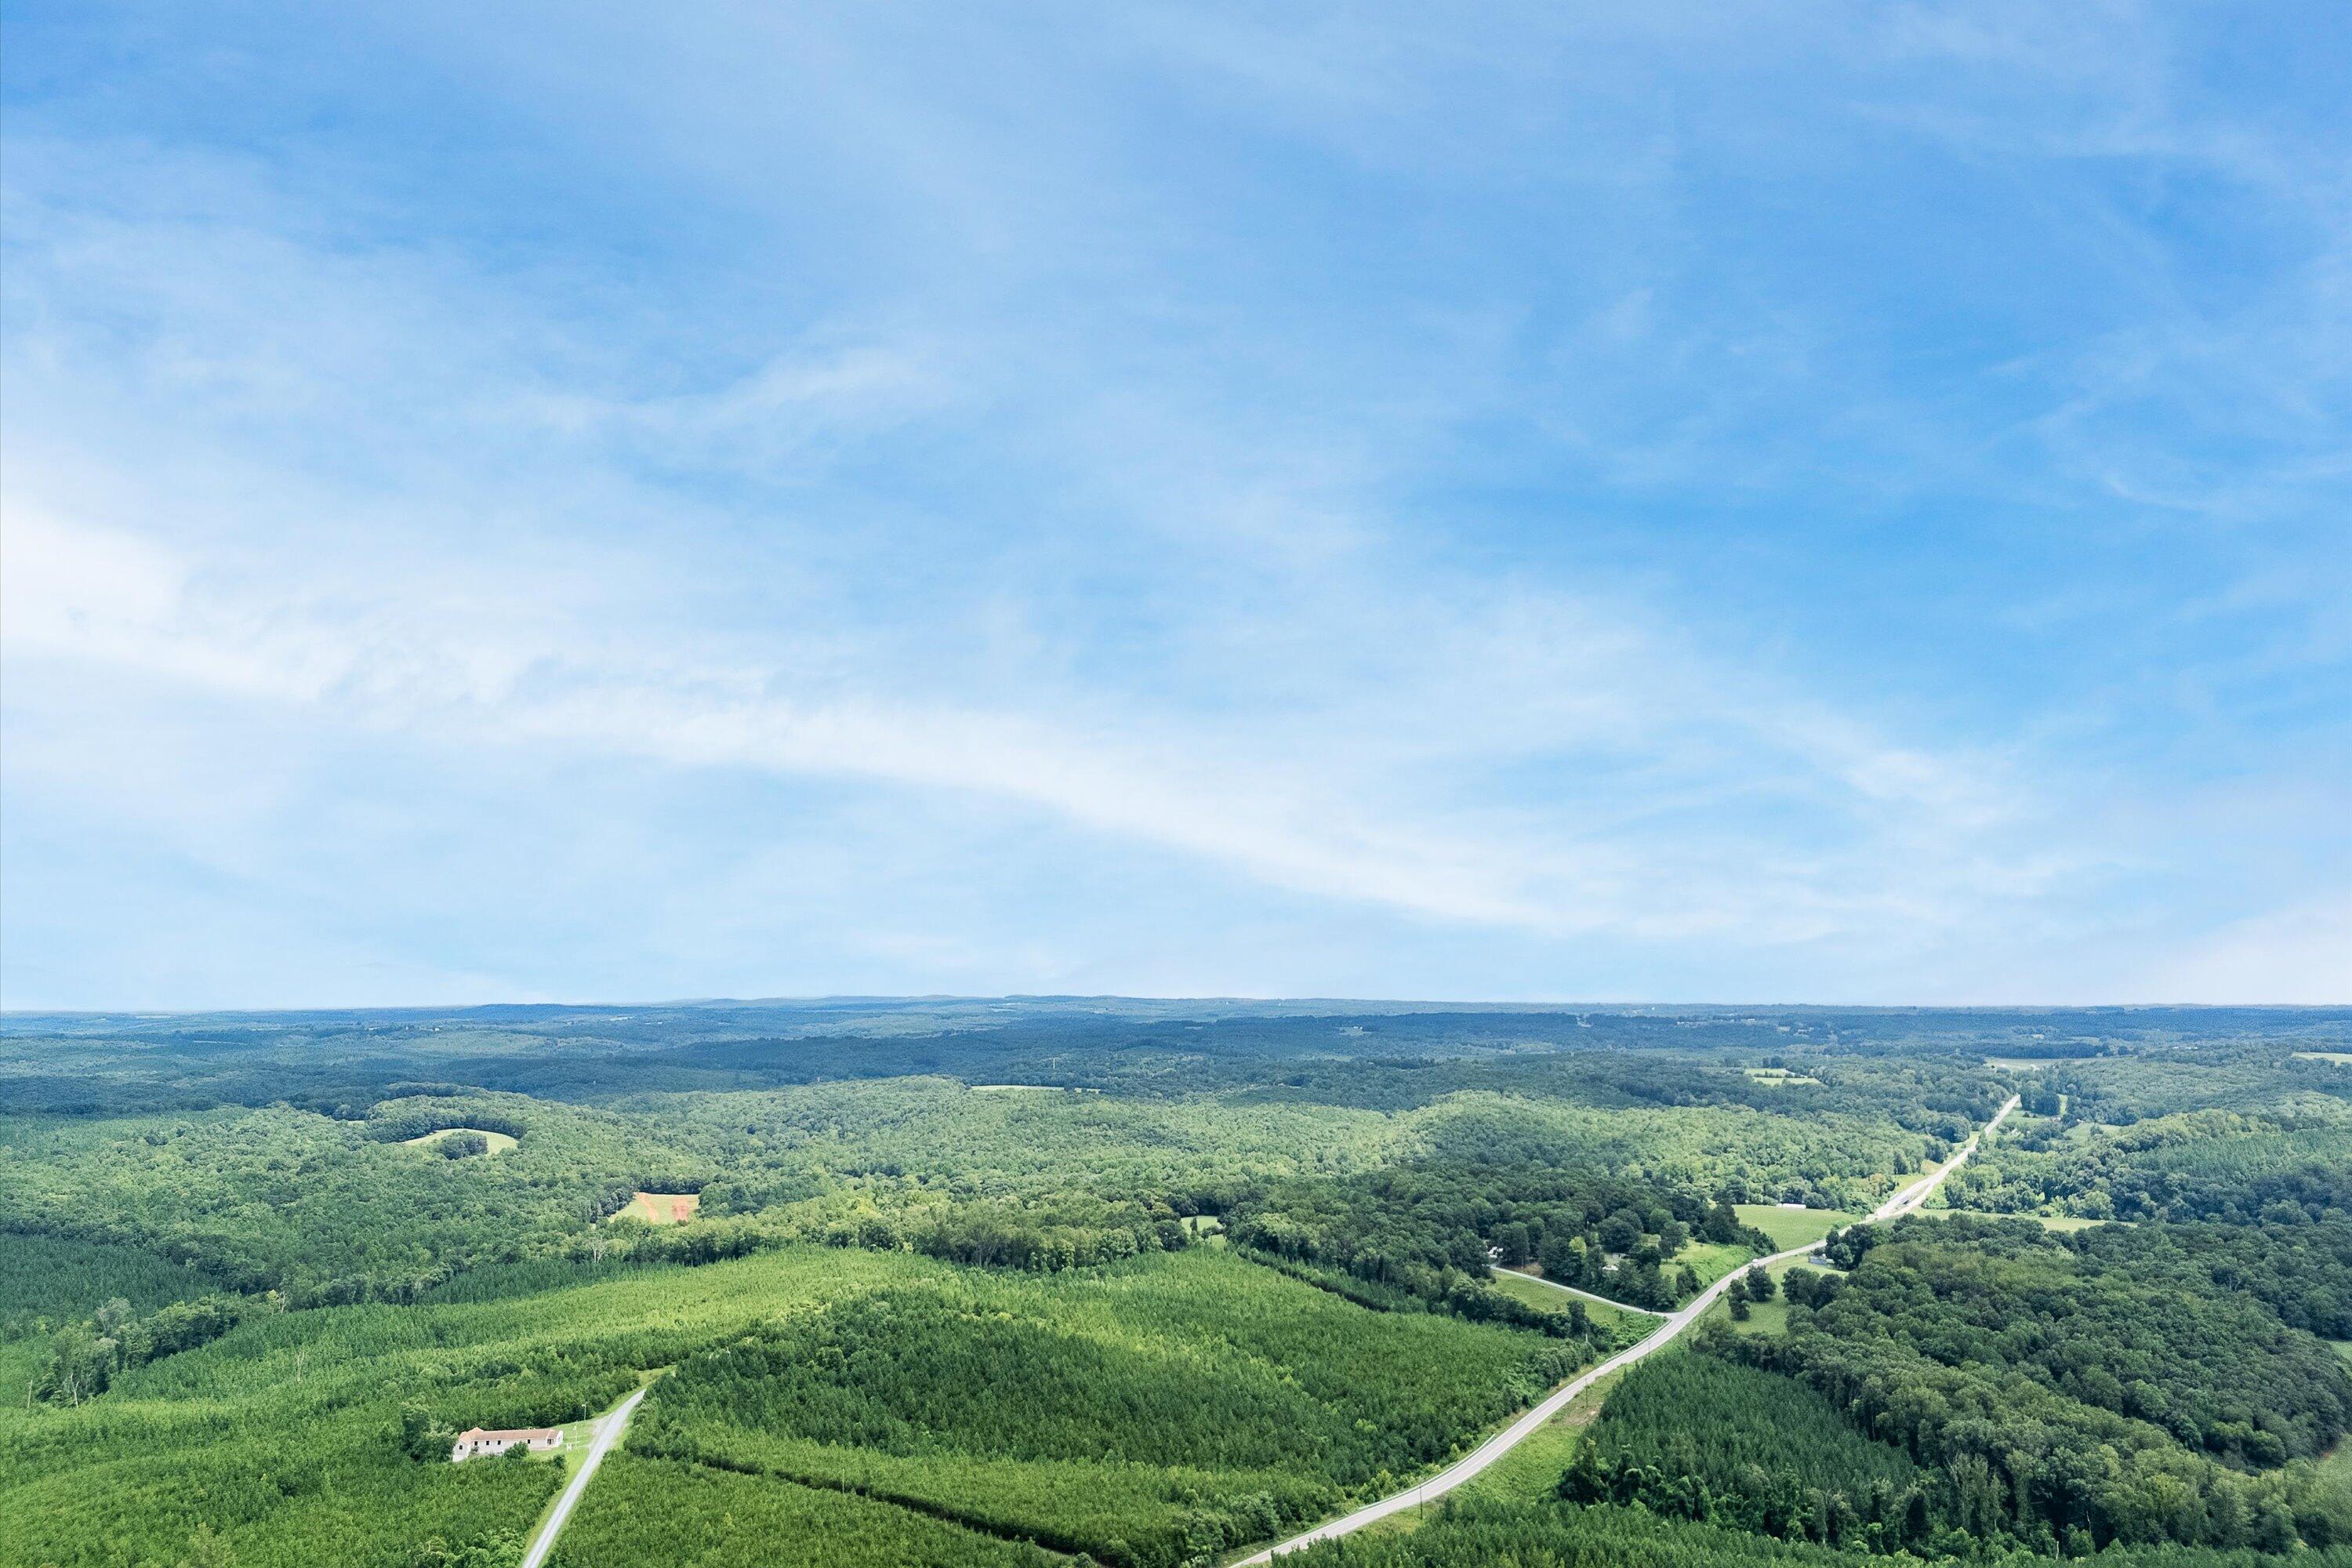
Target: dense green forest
(1154,1283)
(1430,1230)
(1146,1415)
(1772,1456)
(2077,1390)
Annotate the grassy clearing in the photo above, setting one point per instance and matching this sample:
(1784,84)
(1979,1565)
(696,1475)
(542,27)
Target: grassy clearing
(663,1208)
(500,1142)
(1763,1317)
(2047,1221)
(1551,1298)
(1781,1076)
(1530,1472)
(1792,1227)
(2341,1058)
(1028,1089)
(1711,1260)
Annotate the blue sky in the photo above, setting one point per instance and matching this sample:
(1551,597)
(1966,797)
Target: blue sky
(1682,503)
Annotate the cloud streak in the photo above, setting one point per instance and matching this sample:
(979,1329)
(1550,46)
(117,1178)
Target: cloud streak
(1335,829)
(1323,503)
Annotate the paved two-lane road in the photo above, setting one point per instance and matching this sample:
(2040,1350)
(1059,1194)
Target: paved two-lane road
(1903,1201)
(609,1427)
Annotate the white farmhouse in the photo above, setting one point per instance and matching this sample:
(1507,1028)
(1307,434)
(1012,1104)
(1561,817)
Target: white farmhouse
(475,1441)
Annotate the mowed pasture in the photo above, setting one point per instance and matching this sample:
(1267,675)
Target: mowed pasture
(1710,1260)
(1791,1228)
(1545,1296)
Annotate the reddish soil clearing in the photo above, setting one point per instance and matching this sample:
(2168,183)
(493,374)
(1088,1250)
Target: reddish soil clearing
(663,1208)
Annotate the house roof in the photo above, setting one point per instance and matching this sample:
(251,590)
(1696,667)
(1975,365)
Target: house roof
(511,1434)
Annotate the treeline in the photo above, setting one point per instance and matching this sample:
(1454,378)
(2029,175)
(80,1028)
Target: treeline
(2227,1166)
(86,1357)
(1468,1298)
(1477,1534)
(46,1282)
(2072,1402)
(1938,1098)
(1043,1236)
(1431,1230)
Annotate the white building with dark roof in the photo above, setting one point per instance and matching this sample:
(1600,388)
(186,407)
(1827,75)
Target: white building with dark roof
(477,1442)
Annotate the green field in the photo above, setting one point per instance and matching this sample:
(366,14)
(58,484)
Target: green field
(1530,1472)
(2047,1221)
(661,1208)
(500,1142)
(1623,1321)
(1781,1076)
(1792,1227)
(1764,1317)
(1711,1260)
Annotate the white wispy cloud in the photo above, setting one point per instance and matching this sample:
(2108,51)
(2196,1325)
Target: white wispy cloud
(398,660)
(1020,456)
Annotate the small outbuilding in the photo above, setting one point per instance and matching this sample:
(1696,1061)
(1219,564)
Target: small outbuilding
(475,1441)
